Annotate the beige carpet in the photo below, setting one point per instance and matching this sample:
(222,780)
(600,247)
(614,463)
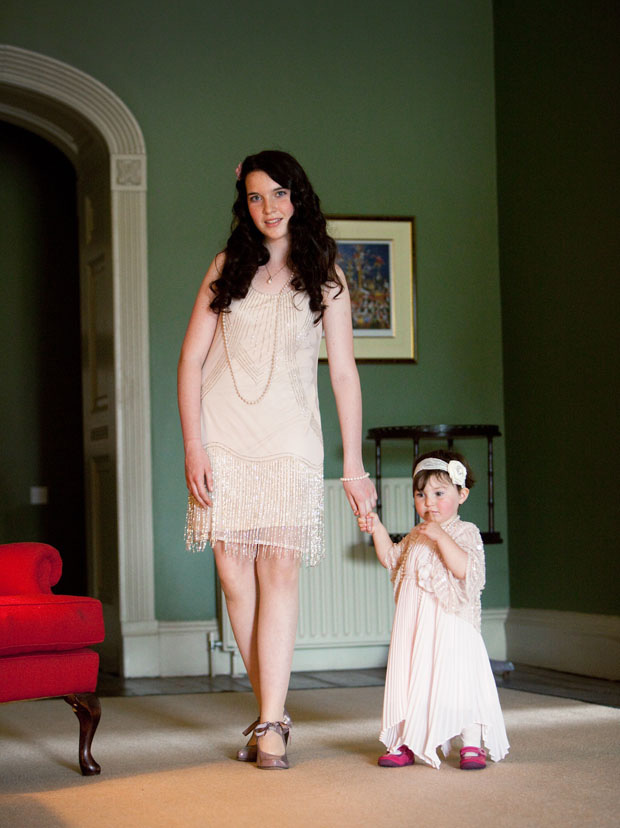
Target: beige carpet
(167,761)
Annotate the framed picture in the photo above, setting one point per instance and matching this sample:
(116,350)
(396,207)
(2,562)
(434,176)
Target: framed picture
(377,255)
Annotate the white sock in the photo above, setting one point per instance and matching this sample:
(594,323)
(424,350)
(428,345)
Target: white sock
(472,736)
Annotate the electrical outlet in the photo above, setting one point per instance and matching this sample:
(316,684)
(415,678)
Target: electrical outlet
(38,495)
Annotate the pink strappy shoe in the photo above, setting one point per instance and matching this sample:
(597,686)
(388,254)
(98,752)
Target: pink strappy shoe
(271,761)
(249,752)
(473,758)
(397,760)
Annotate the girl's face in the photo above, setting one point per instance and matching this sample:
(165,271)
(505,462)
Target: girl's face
(439,500)
(269,205)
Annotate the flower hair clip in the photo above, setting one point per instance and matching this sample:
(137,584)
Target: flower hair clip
(238,170)
(457,472)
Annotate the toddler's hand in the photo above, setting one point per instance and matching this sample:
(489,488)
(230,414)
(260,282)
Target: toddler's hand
(366,523)
(431,530)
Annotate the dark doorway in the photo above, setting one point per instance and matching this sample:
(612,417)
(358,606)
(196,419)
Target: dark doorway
(41,410)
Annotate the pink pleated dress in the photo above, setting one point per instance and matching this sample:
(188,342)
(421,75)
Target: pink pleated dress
(439,679)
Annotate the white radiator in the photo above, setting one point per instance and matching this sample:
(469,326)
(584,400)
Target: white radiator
(346,602)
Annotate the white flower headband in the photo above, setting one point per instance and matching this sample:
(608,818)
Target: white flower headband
(456,470)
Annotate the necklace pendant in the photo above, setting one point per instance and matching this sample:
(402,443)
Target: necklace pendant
(270,275)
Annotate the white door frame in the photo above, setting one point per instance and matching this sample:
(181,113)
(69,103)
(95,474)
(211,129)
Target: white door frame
(79,114)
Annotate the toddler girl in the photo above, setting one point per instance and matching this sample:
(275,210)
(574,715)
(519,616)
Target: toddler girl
(439,682)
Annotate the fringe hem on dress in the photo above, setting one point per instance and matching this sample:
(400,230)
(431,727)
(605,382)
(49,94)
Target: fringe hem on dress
(261,509)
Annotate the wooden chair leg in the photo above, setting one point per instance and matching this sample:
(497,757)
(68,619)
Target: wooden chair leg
(87,708)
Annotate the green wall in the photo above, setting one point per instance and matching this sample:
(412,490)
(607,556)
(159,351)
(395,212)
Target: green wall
(557,89)
(390,108)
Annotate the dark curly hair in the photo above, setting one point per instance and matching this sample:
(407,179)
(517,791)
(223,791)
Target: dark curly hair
(312,253)
(421,478)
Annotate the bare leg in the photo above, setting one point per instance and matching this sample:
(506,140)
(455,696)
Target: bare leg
(240,585)
(278,609)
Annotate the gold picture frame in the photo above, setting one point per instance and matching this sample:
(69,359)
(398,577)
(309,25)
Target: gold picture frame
(377,255)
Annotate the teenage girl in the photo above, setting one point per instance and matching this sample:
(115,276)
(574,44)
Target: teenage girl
(439,682)
(247,387)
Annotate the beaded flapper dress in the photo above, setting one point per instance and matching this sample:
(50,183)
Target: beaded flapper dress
(439,679)
(261,428)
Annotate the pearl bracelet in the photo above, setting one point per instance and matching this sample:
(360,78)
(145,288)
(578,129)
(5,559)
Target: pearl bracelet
(359,477)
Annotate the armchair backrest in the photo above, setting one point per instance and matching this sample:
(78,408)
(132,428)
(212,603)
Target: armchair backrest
(28,568)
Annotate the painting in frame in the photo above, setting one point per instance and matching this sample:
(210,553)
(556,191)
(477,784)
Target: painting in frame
(377,255)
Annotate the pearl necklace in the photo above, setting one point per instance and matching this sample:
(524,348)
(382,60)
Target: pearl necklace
(273,355)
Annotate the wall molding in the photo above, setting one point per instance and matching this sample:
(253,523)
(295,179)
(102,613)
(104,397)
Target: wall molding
(494,632)
(182,648)
(567,641)
(65,92)
(88,122)
(573,642)
(169,648)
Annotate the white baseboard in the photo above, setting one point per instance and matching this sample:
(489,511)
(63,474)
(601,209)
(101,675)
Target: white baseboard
(311,659)
(340,658)
(167,648)
(184,647)
(181,648)
(573,642)
(494,632)
(140,649)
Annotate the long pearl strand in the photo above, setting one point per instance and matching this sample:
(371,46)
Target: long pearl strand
(273,355)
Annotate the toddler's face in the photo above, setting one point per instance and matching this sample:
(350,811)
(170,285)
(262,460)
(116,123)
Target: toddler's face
(439,500)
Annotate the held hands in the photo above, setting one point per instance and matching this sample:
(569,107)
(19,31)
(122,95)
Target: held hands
(198,474)
(361,494)
(381,540)
(369,522)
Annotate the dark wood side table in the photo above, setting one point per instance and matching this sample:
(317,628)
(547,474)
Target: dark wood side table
(442,432)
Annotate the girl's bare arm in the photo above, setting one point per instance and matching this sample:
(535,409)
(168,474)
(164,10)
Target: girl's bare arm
(196,344)
(345,382)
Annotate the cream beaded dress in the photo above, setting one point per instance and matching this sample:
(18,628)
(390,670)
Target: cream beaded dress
(439,678)
(262,431)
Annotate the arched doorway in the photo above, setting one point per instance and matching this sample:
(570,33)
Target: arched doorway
(103,141)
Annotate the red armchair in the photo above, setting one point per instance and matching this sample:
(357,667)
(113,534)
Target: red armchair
(45,639)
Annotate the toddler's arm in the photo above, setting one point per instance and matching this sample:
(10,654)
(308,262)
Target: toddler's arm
(453,556)
(380,537)
(458,578)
